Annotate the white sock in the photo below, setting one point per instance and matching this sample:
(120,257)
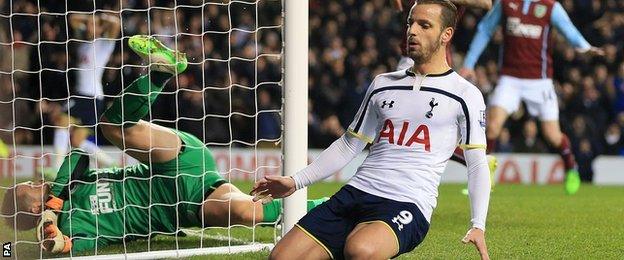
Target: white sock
(61,145)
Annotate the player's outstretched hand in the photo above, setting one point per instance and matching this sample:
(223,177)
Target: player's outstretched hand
(273,187)
(477,237)
(50,236)
(468,74)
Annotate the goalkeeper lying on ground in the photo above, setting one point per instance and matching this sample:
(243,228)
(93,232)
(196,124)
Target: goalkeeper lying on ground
(177,185)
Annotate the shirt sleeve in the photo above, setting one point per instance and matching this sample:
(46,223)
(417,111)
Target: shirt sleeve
(478,186)
(562,22)
(485,30)
(471,120)
(364,125)
(74,165)
(87,244)
(332,159)
(78,231)
(82,244)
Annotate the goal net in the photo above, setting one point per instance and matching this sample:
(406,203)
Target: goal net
(63,62)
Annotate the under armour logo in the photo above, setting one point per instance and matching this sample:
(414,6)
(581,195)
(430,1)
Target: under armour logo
(432,105)
(385,103)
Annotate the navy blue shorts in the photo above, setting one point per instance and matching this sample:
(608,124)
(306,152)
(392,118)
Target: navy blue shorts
(87,109)
(331,222)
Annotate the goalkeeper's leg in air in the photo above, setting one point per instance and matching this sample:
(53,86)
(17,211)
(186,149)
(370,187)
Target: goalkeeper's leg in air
(147,142)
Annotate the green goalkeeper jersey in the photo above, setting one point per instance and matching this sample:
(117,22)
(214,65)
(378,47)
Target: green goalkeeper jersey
(102,206)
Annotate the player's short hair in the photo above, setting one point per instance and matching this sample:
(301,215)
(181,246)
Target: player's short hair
(11,199)
(449,11)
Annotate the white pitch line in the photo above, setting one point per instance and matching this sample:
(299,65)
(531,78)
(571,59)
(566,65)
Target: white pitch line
(197,233)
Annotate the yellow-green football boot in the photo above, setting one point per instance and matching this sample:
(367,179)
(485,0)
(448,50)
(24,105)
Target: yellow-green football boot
(161,57)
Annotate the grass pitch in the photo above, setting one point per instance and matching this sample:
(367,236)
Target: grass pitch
(524,222)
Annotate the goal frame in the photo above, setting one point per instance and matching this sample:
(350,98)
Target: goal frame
(295,97)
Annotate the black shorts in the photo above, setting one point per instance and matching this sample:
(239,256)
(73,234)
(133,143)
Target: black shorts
(330,223)
(87,109)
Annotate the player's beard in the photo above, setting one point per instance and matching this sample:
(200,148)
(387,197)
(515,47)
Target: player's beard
(426,52)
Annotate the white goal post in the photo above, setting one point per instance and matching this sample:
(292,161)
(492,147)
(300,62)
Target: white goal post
(295,148)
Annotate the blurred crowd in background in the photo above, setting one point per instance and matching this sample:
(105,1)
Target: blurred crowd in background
(231,93)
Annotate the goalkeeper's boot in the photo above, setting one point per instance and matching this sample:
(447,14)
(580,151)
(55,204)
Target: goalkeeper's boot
(161,57)
(492,164)
(572,182)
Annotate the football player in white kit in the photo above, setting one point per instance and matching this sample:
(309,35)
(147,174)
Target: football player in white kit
(97,34)
(413,119)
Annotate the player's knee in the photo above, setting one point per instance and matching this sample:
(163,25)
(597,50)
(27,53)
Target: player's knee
(110,132)
(215,213)
(552,134)
(241,214)
(358,250)
(220,213)
(77,136)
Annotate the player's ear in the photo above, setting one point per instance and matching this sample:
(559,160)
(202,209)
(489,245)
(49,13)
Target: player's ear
(36,207)
(447,35)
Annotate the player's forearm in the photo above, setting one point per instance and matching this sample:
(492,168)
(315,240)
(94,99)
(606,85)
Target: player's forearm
(478,186)
(562,22)
(477,46)
(483,4)
(485,30)
(334,158)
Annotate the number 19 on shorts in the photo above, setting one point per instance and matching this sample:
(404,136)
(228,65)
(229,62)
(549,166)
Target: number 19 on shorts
(404,218)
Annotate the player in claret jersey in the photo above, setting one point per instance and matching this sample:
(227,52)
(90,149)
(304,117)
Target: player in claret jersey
(526,69)
(413,119)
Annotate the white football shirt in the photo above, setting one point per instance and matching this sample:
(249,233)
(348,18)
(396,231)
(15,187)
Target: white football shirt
(93,57)
(414,123)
